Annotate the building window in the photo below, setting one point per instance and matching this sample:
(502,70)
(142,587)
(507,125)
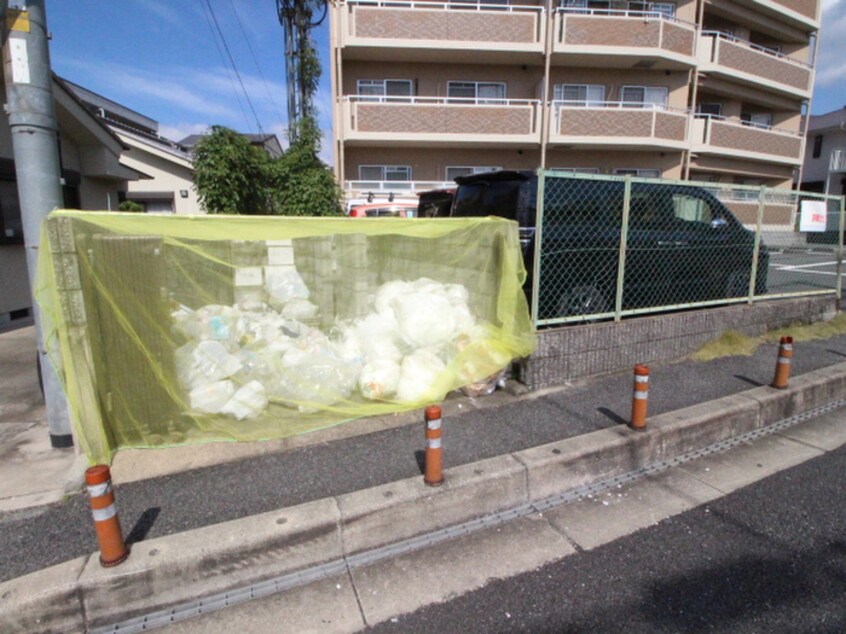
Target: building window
(667,9)
(379,88)
(640,173)
(487,5)
(644,96)
(384,172)
(585,6)
(464,170)
(709,109)
(580,94)
(480,91)
(11,224)
(757,119)
(818,141)
(575,170)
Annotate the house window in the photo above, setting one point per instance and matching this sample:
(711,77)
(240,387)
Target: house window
(818,141)
(580,94)
(645,96)
(640,173)
(464,170)
(480,91)
(757,119)
(667,9)
(384,172)
(378,88)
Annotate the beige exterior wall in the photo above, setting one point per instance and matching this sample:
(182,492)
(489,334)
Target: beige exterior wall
(614,79)
(167,176)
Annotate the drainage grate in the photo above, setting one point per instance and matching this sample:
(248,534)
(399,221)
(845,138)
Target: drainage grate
(216,602)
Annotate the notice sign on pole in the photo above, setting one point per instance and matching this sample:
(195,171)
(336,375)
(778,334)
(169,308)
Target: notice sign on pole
(812,215)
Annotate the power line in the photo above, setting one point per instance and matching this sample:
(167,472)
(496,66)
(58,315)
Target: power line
(234,66)
(255,60)
(225,66)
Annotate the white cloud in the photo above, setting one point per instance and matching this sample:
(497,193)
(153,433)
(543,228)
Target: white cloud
(162,10)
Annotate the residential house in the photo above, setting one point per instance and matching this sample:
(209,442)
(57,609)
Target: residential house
(824,169)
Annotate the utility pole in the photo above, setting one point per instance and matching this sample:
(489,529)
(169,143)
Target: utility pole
(35,143)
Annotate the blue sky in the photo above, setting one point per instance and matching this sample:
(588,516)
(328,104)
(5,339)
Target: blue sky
(164,59)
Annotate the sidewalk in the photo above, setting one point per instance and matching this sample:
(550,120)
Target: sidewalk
(354,487)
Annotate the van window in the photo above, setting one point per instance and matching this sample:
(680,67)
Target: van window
(494,198)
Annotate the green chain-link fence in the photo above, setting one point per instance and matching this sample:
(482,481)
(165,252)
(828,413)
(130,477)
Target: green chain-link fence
(612,247)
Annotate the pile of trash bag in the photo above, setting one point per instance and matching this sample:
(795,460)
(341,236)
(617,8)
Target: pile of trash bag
(238,359)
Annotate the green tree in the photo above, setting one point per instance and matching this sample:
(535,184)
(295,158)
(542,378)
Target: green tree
(300,183)
(230,175)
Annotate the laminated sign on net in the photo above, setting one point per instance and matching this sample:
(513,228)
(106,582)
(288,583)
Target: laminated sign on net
(252,328)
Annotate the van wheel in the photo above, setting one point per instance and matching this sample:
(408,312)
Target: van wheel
(586,300)
(737,285)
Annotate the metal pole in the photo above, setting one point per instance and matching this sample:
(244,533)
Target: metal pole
(624,237)
(841,226)
(32,121)
(756,249)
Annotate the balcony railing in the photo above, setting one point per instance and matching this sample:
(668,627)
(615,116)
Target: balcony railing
(618,123)
(441,119)
(607,30)
(756,63)
(740,139)
(403,23)
(837,161)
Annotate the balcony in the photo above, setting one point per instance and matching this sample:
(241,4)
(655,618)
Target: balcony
(442,31)
(722,55)
(799,13)
(439,121)
(736,139)
(618,124)
(625,38)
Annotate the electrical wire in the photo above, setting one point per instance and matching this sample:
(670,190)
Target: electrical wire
(255,61)
(228,70)
(234,66)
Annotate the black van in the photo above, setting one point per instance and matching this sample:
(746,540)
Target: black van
(683,245)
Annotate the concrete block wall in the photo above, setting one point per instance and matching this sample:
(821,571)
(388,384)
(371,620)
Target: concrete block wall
(576,352)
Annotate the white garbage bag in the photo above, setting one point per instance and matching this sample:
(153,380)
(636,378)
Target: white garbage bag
(378,380)
(299,309)
(419,372)
(248,402)
(210,398)
(283,283)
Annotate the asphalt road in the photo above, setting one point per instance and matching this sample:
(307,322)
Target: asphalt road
(801,270)
(768,558)
(43,536)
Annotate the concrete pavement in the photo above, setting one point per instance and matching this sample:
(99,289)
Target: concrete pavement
(334,529)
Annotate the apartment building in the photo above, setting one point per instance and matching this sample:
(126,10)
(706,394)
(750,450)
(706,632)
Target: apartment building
(710,90)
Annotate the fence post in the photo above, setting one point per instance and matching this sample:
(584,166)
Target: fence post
(538,242)
(757,248)
(837,281)
(624,235)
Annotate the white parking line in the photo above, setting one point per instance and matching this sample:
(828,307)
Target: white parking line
(792,267)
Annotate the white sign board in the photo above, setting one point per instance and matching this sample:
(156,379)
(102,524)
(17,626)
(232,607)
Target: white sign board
(812,215)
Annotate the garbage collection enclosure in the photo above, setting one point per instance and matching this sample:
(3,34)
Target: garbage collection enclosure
(177,329)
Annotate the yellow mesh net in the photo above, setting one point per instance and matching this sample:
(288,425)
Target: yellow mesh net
(185,329)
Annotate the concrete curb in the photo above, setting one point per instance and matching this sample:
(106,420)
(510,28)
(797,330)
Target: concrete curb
(172,570)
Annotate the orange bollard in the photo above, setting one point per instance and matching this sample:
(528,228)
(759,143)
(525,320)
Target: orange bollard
(113,551)
(640,396)
(785,356)
(434,467)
